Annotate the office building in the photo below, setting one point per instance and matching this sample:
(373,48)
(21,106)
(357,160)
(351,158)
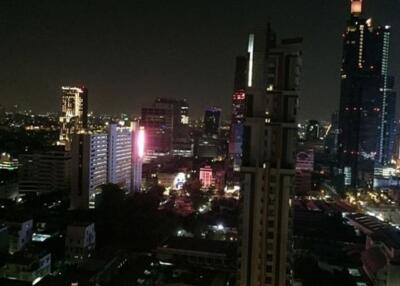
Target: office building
(158,123)
(89,168)
(167,128)
(212,120)
(268,163)
(181,143)
(45,172)
(367,102)
(74,113)
(80,241)
(207,148)
(120,156)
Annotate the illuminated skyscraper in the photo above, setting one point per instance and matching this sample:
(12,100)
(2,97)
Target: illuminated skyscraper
(367,102)
(89,168)
(269,144)
(74,113)
(120,156)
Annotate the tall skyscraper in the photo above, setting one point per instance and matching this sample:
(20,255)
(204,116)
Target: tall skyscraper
(212,120)
(158,122)
(120,156)
(89,168)
(270,133)
(238,111)
(74,113)
(367,102)
(167,128)
(181,143)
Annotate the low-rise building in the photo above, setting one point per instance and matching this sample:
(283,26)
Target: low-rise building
(208,254)
(80,241)
(381,257)
(44,172)
(19,232)
(29,266)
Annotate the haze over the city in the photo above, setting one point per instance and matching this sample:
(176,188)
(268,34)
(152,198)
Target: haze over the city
(127,52)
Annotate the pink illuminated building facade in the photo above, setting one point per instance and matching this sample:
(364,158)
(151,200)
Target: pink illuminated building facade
(206,176)
(138,152)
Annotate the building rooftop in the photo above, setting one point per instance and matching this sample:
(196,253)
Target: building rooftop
(27,257)
(200,245)
(389,237)
(368,222)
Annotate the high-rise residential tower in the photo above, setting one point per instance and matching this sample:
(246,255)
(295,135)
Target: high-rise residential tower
(74,113)
(367,103)
(268,163)
(120,156)
(89,168)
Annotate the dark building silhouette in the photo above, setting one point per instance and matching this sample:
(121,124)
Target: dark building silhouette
(367,101)
(238,111)
(268,162)
(212,118)
(167,128)
(157,122)
(313,131)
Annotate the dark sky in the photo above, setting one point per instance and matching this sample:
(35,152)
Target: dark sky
(129,52)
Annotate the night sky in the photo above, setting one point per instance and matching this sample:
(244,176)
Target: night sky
(129,52)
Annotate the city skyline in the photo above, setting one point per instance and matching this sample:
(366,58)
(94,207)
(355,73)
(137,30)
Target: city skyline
(123,62)
(190,143)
